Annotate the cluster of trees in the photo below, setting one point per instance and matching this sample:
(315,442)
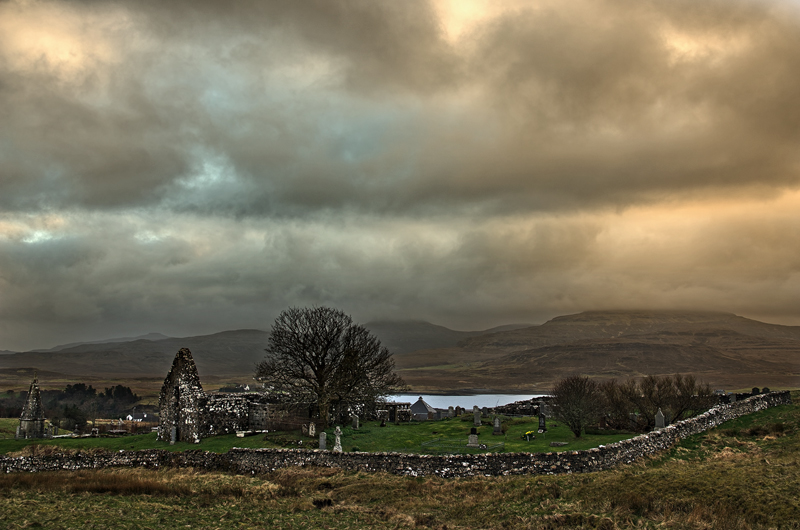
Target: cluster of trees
(320,356)
(74,405)
(581,401)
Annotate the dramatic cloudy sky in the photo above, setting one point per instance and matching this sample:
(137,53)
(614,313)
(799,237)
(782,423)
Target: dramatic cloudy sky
(194,166)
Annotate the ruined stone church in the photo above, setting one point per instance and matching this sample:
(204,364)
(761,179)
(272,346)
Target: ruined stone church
(189,414)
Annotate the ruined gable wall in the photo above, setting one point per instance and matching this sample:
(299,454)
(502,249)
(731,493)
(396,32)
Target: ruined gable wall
(31,421)
(180,401)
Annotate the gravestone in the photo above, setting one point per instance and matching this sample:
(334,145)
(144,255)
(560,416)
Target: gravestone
(451,411)
(472,439)
(459,411)
(383,422)
(497,426)
(312,430)
(476,416)
(542,422)
(337,444)
(304,428)
(633,420)
(323,440)
(732,397)
(173,435)
(355,422)
(659,419)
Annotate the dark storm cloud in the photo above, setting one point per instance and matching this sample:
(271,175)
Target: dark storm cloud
(187,167)
(559,105)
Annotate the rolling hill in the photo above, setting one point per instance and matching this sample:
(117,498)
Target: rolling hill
(720,348)
(723,349)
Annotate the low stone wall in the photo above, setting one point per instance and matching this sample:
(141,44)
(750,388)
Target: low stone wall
(257,461)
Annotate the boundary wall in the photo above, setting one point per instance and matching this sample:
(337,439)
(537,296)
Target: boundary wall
(257,461)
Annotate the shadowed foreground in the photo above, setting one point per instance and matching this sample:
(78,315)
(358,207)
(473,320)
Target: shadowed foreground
(744,474)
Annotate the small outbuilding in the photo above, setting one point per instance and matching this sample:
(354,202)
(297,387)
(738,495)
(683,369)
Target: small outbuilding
(422,411)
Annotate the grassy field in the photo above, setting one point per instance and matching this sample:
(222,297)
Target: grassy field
(742,475)
(371,437)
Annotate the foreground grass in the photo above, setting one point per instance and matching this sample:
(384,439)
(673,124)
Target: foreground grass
(743,475)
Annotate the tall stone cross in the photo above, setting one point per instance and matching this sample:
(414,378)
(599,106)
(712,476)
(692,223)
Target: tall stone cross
(337,444)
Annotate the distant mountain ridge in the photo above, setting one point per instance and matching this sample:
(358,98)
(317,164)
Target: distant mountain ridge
(148,336)
(411,335)
(720,348)
(225,353)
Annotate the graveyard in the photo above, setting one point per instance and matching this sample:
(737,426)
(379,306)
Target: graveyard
(422,437)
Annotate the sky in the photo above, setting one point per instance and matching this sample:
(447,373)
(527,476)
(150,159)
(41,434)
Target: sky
(193,166)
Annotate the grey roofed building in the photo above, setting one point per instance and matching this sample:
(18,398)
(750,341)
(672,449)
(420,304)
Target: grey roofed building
(423,411)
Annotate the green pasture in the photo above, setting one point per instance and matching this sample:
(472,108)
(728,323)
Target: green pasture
(446,434)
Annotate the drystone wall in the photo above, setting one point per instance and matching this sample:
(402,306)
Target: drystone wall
(256,461)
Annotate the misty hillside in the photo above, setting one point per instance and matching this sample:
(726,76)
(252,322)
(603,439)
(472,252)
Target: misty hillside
(224,353)
(722,349)
(412,335)
(148,336)
(719,348)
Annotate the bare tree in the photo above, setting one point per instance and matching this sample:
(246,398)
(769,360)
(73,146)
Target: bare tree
(576,402)
(678,397)
(319,355)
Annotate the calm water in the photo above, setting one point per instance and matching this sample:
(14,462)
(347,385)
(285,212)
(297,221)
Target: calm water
(467,402)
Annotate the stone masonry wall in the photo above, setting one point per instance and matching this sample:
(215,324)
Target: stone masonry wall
(256,461)
(224,413)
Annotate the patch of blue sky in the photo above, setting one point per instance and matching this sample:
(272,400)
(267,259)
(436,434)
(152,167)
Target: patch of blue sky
(211,172)
(39,236)
(357,133)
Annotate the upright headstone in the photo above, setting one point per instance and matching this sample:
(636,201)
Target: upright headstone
(472,439)
(355,422)
(304,428)
(476,416)
(173,435)
(323,440)
(732,397)
(451,411)
(542,422)
(312,430)
(497,426)
(659,419)
(337,444)
(633,421)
